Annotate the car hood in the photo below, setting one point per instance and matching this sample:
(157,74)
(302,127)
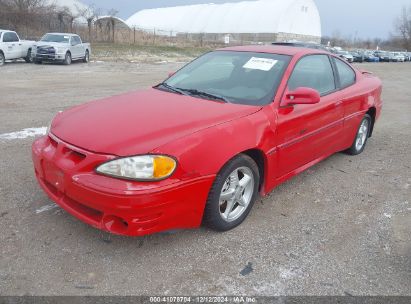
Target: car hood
(139,122)
(50,44)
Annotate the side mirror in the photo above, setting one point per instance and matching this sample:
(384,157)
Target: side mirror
(302,96)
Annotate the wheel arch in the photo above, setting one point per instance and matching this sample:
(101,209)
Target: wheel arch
(372,112)
(258,156)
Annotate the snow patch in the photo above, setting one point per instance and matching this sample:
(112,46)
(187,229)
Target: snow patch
(46,208)
(23,134)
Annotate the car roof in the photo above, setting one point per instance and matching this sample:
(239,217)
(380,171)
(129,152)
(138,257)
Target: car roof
(275,49)
(65,34)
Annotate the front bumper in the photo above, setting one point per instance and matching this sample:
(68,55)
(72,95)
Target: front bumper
(66,174)
(48,57)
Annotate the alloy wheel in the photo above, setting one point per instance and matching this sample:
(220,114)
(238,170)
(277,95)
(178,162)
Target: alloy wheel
(362,134)
(236,194)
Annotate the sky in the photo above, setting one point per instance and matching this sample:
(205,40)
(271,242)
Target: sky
(350,18)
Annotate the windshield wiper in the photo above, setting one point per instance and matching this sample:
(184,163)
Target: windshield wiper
(195,92)
(171,88)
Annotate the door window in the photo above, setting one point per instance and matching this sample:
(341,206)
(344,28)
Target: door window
(315,72)
(345,73)
(10,37)
(75,40)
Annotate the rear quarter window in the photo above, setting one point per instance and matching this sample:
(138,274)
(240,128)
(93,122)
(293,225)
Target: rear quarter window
(345,72)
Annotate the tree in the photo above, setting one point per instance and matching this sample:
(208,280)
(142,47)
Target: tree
(403,26)
(90,13)
(112,13)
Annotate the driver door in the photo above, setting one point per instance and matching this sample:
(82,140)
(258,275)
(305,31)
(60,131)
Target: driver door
(307,132)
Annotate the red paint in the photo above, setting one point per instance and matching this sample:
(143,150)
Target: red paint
(199,134)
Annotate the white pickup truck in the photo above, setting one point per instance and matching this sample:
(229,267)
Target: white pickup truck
(11,47)
(61,47)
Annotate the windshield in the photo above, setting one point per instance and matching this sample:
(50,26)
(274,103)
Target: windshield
(235,77)
(56,38)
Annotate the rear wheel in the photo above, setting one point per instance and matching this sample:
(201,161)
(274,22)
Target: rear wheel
(86,58)
(362,136)
(28,58)
(67,59)
(2,59)
(233,194)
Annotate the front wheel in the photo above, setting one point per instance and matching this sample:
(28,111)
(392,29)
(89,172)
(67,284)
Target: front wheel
(233,194)
(67,59)
(362,136)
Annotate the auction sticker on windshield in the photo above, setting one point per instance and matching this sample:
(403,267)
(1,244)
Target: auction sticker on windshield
(264,64)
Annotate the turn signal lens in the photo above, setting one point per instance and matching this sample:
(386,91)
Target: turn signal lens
(139,168)
(163,166)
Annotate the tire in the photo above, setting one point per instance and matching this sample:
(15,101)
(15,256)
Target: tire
(67,59)
(235,187)
(37,61)
(361,137)
(2,59)
(86,58)
(28,58)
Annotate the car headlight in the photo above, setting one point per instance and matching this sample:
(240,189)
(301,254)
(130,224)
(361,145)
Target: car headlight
(56,49)
(139,168)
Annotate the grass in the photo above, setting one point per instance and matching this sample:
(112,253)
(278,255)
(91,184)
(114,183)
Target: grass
(145,53)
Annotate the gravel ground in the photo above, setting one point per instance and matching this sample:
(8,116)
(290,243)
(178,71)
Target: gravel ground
(341,228)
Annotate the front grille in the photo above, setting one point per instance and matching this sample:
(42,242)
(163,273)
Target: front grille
(46,51)
(72,157)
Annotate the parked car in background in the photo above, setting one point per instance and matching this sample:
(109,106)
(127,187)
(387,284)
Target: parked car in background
(399,56)
(396,57)
(358,56)
(346,55)
(383,56)
(369,57)
(11,47)
(200,146)
(61,47)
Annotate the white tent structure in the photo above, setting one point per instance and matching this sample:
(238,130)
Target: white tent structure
(273,19)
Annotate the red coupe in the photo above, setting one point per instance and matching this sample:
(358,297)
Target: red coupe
(199,147)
